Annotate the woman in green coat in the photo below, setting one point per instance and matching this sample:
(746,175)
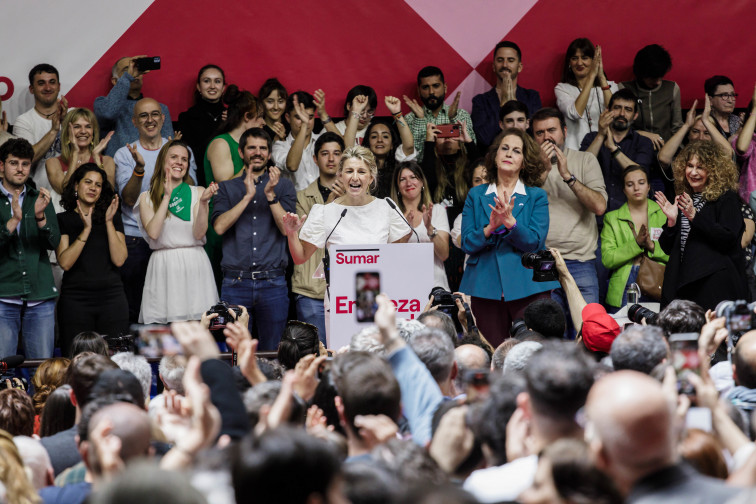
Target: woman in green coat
(630,232)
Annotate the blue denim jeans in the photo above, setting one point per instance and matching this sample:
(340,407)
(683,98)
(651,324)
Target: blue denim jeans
(267,302)
(36,325)
(311,310)
(584,273)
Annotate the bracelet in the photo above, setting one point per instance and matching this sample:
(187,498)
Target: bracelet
(326,121)
(138,174)
(505,230)
(40,220)
(82,241)
(606,88)
(397,115)
(616,152)
(355,115)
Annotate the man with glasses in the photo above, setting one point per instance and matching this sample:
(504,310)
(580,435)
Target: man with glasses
(431,89)
(722,93)
(135,164)
(114,111)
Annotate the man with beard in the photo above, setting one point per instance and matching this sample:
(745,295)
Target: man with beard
(507,65)
(432,90)
(29,229)
(248,214)
(616,145)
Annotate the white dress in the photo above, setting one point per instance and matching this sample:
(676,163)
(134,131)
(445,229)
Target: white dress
(579,126)
(179,284)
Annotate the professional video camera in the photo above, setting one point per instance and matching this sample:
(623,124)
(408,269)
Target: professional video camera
(8,377)
(636,313)
(543,265)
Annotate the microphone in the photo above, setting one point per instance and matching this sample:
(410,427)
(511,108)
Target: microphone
(393,205)
(326,257)
(11,362)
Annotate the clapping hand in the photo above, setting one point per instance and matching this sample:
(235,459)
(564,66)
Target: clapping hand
(454,107)
(101,145)
(414,106)
(112,209)
(685,203)
(43,199)
(690,117)
(669,209)
(209,192)
(320,105)
(501,212)
(293,223)
(138,159)
(274,175)
(427,216)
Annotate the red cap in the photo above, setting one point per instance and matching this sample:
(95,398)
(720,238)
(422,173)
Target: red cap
(599,328)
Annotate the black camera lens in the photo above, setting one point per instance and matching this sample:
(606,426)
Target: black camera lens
(637,312)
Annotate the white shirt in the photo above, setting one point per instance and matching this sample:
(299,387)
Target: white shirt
(577,126)
(32,127)
(439,221)
(308,170)
(503,483)
(359,138)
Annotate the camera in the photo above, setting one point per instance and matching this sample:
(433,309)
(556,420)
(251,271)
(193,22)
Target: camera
(120,343)
(223,309)
(518,327)
(739,316)
(543,265)
(637,312)
(148,63)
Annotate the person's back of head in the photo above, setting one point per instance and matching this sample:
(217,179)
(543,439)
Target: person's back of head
(83,372)
(59,412)
(439,320)
(558,379)
(744,360)
(471,356)
(89,341)
(681,316)
(408,327)
(501,352)
(283,465)
(171,370)
(518,357)
(367,340)
(546,317)
(639,348)
(36,459)
(490,423)
(144,483)
(49,376)
(298,339)
(366,385)
(16,412)
(652,62)
(138,366)
(368,483)
(265,394)
(121,384)
(435,350)
(128,422)
(410,462)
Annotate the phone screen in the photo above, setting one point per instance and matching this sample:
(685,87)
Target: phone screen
(157,341)
(367,286)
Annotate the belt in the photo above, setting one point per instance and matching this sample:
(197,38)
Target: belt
(254,275)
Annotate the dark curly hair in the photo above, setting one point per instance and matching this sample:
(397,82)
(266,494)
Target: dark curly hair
(69,197)
(532,168)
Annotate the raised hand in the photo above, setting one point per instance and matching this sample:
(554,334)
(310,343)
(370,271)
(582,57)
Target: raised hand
(359,104)
(375,429)
(393,104)
(274,174)
(707,108)
(249,184)
(454,107)
(561,163)
(427,216)
(112,209)
(319,100)
(85,214)
(16,206)
(42,201)
(138,159)
(501,212)
(464,135)
(280,130)
(507,91)
(685,203)
(605,121)
(690,117)
(100,147)
(292,222)
(301,111)
(209,192)
(669,209)
(132,69)
(72,141)
(598,58)
(431,130)
(337,190)
(414,106)
(3,118)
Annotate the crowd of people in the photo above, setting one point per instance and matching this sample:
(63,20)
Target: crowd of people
(544,221)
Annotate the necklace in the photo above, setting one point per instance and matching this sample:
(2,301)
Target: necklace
(214,117)
(46,116)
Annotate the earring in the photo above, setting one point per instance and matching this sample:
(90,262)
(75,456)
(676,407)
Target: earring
(76,193)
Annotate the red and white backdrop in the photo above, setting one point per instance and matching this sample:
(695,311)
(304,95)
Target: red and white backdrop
(336,44)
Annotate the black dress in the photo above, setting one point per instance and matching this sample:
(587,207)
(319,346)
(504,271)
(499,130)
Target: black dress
(198,126)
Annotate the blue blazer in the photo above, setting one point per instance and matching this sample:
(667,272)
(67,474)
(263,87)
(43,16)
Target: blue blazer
(494,268)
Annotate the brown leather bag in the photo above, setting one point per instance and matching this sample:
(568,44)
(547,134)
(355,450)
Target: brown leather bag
(650,278)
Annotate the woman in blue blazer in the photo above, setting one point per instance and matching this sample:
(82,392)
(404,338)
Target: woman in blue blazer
(502,220)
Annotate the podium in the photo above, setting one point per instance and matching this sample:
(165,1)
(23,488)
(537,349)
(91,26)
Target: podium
(405,271)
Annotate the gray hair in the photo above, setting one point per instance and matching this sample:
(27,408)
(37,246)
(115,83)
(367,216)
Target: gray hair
(439,320)
(518,357)
(639,348)
(35,458)
(138,366)
(367,340)
(433,347)
(171,370)
(408,328)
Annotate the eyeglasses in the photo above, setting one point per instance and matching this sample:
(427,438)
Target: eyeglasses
(155,114)
(726,96)
(367,114)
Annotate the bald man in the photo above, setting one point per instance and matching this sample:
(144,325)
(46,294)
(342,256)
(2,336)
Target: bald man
(743,395)
(115,110)
(135,163)
(633,437)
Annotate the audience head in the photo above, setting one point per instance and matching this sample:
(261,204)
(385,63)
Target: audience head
(44,84)
(470,356)
(129,423)
(243,110)
(715,170)
(546,317)
(435,350)
(681,316)
(119,68)
(13,476)
(368,483)
(371,106)
(306,100)
(577,62)
(721,90)
(36,459)
(599,328)
(171,372)
(549,126)
(630,427)
(263,467)
(82,375)
(431,87)
(138,366)
(145,483)
(16,412)
(410,463)
(651,64)
(328,150)
(639,348)
(408,328)
(624,106)
(16,156)
(273,96)
(636,186)
(528,159)
(89,184)
(475,172)
(173,153)
(211,83)
(439,320)
(298,340)
(255,149)
(382,138)
(704,452)
(89,341)
(50,375)
(507,58)
(266,393)
(744,361)
(495,412)
(514,114)
(358,159)
(500,354)
(59,412)
(367,340)
(148,119)
(409,182)
(86,132)
(519,356)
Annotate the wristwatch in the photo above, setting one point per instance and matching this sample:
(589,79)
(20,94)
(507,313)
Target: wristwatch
(570,180)
(433,234)
(273,201)
(616,152)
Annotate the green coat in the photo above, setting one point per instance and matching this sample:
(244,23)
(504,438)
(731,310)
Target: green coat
(619,248)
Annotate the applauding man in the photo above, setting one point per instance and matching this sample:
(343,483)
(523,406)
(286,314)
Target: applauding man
(248,214)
